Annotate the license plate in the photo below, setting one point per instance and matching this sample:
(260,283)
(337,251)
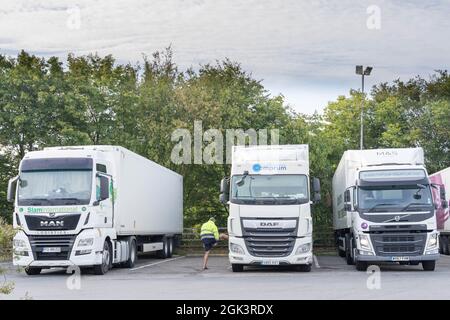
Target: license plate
(270,262)
(51,250)
(400,259)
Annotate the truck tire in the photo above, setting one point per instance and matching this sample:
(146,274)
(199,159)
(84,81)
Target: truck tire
(361,265)
(304,268)
(429,265)
(164,253)
(133,255)
(33,271)
(443,242)
(103,268)
(348,249)
(170,247)
(237,267)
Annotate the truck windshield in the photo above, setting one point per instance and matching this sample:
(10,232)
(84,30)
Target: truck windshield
(275,189)
(55,182)
(395,198)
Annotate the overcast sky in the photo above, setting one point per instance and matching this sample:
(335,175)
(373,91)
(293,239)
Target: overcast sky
(306,50)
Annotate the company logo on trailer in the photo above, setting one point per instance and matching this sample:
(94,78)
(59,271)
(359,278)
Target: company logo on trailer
(268,167)
(387,153)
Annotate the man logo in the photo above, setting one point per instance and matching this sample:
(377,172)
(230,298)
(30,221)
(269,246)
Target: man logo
(51,214)
(52,223)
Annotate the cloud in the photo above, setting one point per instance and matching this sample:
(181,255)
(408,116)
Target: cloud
(309,45)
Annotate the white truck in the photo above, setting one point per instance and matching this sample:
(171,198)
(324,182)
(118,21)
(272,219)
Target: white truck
(269,198)
(383,209)
(93,206)
(442,180)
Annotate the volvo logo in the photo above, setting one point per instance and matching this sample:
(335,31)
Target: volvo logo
(52,223)
(397,218)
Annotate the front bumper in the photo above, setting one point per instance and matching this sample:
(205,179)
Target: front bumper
(292,259)
(93,258)
(428,257)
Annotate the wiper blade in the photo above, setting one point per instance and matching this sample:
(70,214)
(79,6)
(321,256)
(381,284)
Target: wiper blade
(415,204)
(381,204)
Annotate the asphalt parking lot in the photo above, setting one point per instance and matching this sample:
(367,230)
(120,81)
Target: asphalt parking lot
(181,278)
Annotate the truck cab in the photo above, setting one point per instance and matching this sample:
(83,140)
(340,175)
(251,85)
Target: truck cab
(269,198)
(387,214)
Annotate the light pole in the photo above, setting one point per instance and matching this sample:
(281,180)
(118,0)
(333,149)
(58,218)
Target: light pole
(363,72)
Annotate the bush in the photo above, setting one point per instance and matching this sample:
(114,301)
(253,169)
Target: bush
(6,237)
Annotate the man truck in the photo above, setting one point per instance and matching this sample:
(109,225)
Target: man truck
(442,180)
(93,206)
(383,209)
(269,197)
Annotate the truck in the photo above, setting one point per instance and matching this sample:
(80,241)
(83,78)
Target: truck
(269,198)
(442,180)
(383,209)
(93,207)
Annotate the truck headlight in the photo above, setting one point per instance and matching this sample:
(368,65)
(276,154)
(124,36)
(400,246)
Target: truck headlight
(364,242)
(304,248)
(235,248)
(86,242)
(433,241)
(17,243)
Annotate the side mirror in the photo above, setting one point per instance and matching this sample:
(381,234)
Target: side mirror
(225,185)
(316,189)
(223,198)
(12,186)
(102,189)
(444,204)
(347,207)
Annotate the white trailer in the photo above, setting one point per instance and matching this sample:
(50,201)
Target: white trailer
(383,209)
(269,198)
(442,180)
(93,206)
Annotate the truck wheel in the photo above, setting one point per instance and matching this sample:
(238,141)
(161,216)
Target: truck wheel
(133,255)
(429,265)
(103,268)
(361,265)
(443,241)
(237,267)
(304,268)
(170,247)
(164,253)
(348,250)
(32,271)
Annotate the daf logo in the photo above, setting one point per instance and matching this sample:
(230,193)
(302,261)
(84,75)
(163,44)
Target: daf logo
(269,224)
(52,223)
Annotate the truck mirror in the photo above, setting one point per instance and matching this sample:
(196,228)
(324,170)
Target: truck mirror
(12,185)
(104,188)
(316,185)
(223,198)
(225,185)
(317,197)
(347,207)
(444,204)
(442,193)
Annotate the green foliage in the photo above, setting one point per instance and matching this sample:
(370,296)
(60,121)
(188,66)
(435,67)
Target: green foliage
(6,236)
(94,100)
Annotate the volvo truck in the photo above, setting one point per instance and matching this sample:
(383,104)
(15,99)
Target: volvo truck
(441,180)
(383,209)
(269,198)
(93,206)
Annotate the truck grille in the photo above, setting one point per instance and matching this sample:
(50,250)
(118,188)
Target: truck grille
(62,222)
(65,243)
(266,242)
(399,244)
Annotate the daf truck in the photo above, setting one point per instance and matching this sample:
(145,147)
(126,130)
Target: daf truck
(383,209)
(442,181)
(93,206)
(269,198)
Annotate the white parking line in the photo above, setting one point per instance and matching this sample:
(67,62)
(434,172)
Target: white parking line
(316,262)
(155,263)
